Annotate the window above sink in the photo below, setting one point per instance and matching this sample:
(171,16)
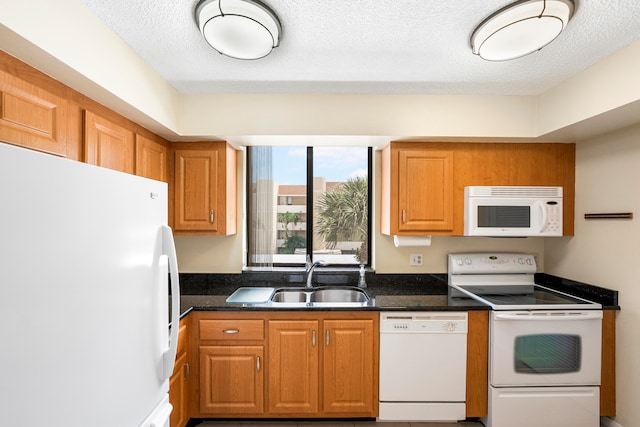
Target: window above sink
(308,201)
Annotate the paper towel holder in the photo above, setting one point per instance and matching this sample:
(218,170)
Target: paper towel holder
(411,241)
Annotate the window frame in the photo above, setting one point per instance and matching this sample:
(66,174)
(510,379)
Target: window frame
(309,209)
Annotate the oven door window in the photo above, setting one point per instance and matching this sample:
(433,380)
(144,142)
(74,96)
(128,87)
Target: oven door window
(547,354)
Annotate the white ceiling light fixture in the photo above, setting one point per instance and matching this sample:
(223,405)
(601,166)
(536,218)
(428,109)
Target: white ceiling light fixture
(241,29)
(520,29)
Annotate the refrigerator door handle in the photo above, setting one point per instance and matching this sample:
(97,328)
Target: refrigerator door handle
(169,249)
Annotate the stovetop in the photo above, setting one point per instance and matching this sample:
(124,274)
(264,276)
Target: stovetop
(505,281)
(529,297)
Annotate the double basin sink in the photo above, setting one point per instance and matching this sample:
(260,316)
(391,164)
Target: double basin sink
(333,296)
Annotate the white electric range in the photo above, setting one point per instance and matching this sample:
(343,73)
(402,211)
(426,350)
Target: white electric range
(544,345)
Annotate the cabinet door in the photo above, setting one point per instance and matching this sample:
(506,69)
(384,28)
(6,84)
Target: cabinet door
(231,379)
(196,187)
(32,117)
(178,392)
(350,367)
(293,366)
(425,190)
(107,144)
(151,159)
(477,364)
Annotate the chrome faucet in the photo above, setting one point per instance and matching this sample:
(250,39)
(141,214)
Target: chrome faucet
(311,267)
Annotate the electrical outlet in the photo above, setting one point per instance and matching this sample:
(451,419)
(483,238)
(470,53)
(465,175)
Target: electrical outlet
(415,259)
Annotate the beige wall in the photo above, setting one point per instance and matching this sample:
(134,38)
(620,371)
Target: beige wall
(607,252)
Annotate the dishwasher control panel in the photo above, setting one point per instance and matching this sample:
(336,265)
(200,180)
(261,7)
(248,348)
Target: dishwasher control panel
(423,322)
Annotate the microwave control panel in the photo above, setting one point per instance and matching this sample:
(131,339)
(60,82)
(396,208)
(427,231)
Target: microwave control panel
(554,218)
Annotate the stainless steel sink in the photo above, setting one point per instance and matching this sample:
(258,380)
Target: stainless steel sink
(320,297)
(339,295)
(289,296)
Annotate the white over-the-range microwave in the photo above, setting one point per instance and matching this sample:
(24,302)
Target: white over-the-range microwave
(512,211)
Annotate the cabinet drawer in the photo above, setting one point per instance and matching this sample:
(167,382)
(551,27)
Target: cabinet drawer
(231,329)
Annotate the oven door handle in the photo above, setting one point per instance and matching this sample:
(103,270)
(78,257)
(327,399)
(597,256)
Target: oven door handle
(596,314)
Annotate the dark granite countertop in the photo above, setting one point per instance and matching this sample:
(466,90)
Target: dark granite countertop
(393,292)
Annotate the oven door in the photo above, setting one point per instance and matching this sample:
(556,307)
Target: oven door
(531,348)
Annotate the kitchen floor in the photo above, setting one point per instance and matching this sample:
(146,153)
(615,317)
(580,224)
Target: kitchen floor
(333,424)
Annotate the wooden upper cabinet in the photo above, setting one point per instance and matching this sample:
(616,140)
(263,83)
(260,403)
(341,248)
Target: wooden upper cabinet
(425,190)
(205,188)
(417,190)
(422,183)
(107,144)
(32,117)
(151,159)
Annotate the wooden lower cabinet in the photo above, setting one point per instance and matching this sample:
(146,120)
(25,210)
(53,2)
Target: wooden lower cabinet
(324,365)
(608,379)
(178,392)
(294,366)
(231,379)
(286,364)
(180,380)
(350,362)
(477,363)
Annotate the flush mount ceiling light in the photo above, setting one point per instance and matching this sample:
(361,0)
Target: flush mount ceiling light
(241,29)
(520,29)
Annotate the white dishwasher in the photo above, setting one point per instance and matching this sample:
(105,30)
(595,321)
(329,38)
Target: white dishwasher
(423,366)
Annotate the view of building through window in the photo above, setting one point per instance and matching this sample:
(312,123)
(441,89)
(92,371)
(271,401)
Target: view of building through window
(286,224)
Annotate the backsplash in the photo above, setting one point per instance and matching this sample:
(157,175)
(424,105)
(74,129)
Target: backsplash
(220,284)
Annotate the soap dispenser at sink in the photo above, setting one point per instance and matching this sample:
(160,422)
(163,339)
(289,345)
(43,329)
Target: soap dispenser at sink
(362,282)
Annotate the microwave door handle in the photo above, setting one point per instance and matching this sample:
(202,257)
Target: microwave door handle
(543,215)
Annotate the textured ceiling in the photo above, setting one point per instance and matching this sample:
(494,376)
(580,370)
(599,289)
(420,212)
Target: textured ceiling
(367,46)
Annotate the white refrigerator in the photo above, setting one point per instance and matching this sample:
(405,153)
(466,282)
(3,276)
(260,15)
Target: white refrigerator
(86,262)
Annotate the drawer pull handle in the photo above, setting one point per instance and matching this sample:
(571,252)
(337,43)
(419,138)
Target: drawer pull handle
(187,372)
(212,216)
(404,216)
(326,334)
(231,331)
(258,363)
(313,338)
